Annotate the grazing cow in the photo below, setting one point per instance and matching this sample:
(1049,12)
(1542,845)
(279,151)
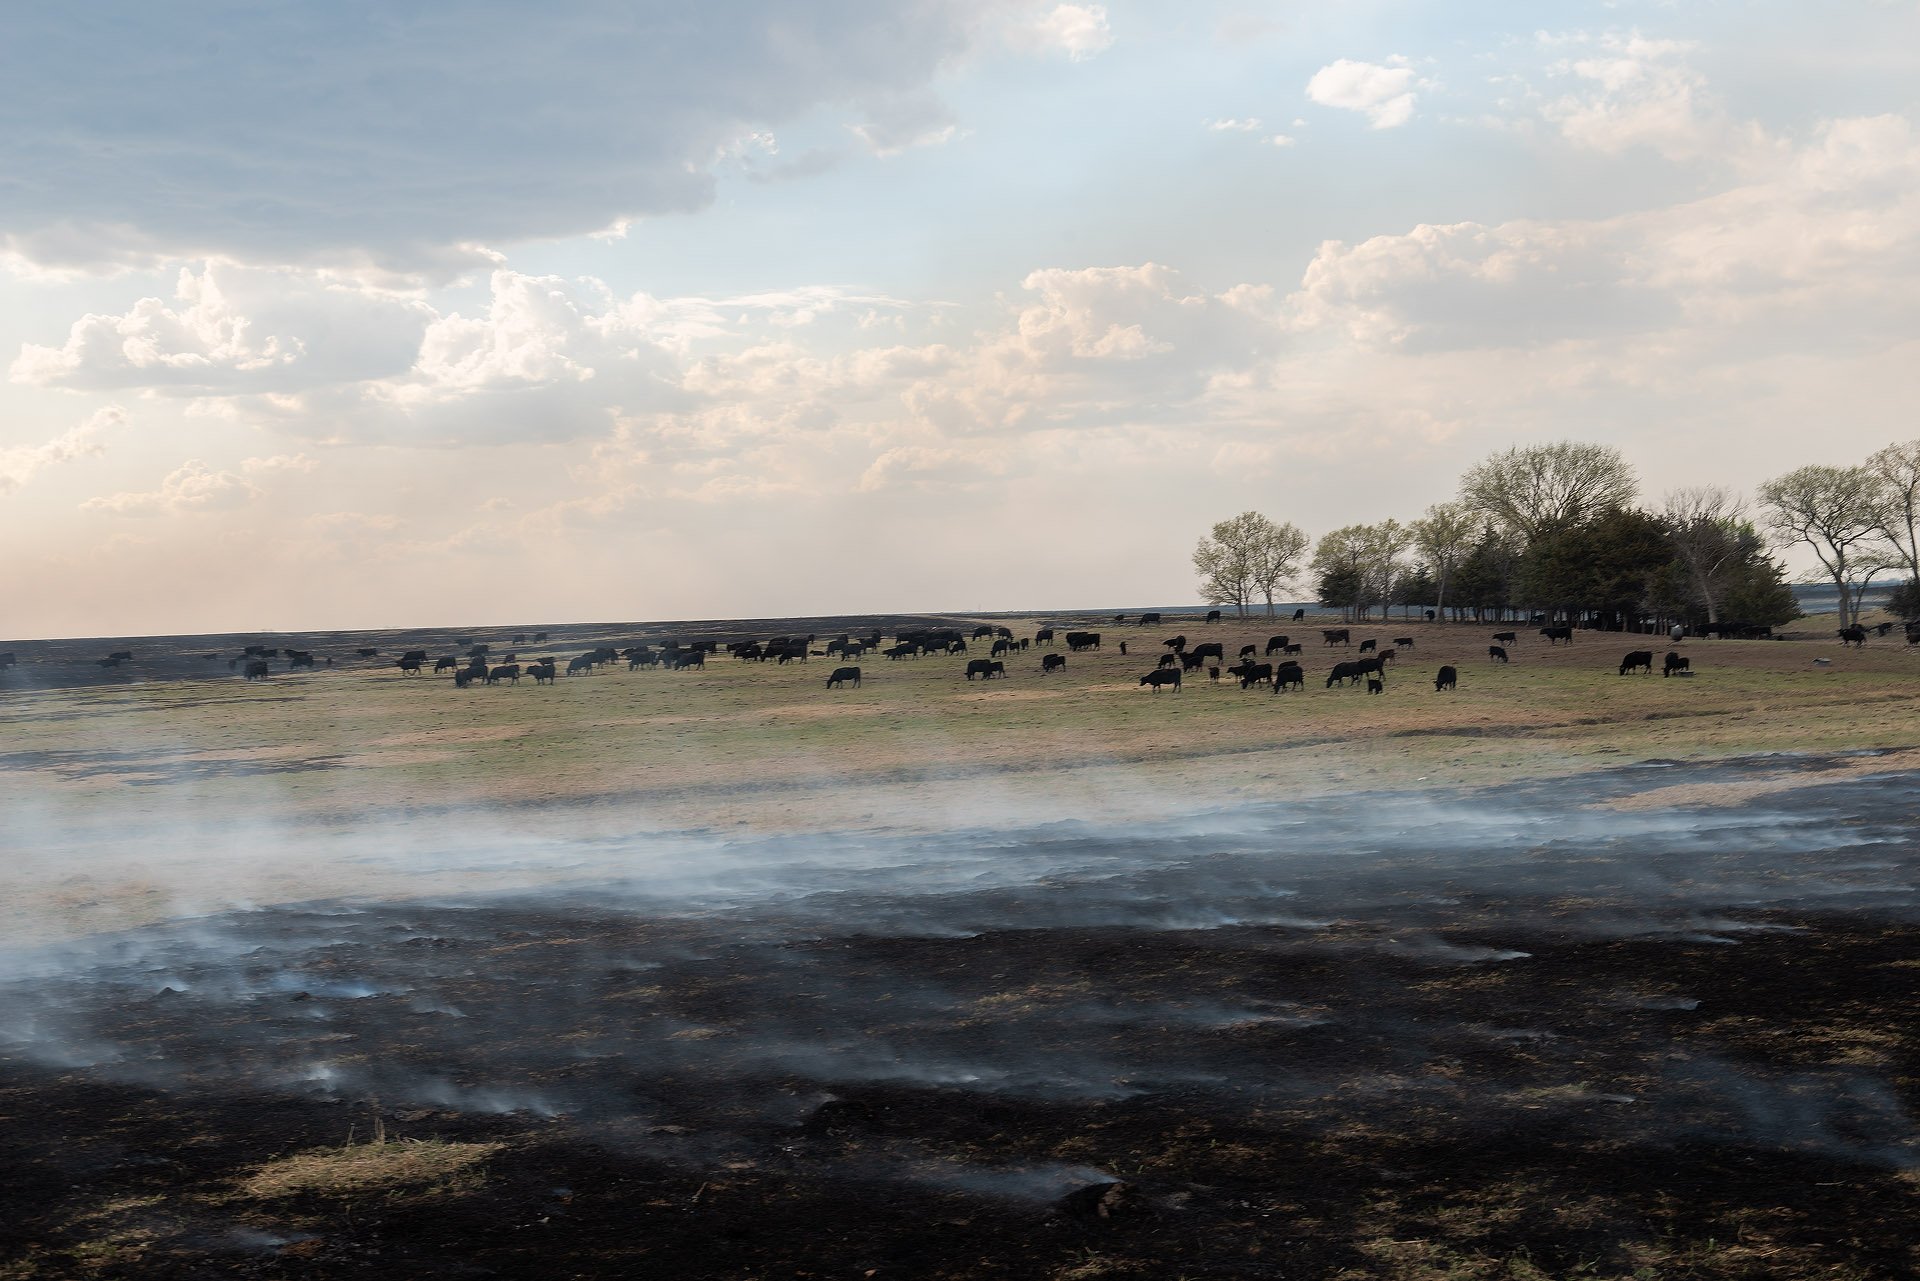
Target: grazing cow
(479,651)
(1274,645)
(1289,676)
(996,668)
(542,673)
(1337,636)
(979,667)
(506,671)
(584,663)
(1506,638)
(981,632)
(1404,642)
(1177,644)
(1083,640)
(1344,672)
(1213,616)
(1191,662)
(1248,651)
(1447,679)
(1149,620)
(408,666)
(752,653)
(897,652)
(1299,614)
(1855,636)
(1676,663)
(843,674)
(300,660)
(1555,635)
(999,647)
(1211,650)
(538,637)
(463,678)
(1290,649)
(126,655)
(1053,663)
(1496,653)
(1367,646)
(1375,685)
(1640,658)
(1168,660)
(1158,678)
(364,653)
(1004,633)
(257,670)
(1044,636)
(520,639)
(417,655)
(1022,644)
(1252,674)
(698,658)
(1119,620)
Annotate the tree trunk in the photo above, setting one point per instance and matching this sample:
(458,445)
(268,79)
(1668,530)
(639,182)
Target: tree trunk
(1845,606)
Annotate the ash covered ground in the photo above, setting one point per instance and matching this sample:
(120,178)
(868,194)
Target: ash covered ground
(1523,1028)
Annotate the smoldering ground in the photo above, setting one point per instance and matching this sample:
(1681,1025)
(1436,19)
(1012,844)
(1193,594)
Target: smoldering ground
(1588,1032)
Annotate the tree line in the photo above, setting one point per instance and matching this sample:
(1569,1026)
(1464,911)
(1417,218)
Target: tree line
(1556,530)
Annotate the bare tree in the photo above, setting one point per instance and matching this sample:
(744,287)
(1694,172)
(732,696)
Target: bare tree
(1445,537)
(1277,554)
(1544,487)
(1709,536)
(1229,561)
(1839,512)
(1898,467)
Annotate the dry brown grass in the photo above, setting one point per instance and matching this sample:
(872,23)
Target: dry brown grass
(409,1165)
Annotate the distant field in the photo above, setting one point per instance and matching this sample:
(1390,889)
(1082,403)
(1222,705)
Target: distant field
(107,773)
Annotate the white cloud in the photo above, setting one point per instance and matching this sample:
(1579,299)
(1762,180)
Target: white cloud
(192,487)
(1249,125)
(1078,30)
(900,123)
(1634,92)
(278,463)
(1382,94)
(408,140)
(17,465)
(1281,140)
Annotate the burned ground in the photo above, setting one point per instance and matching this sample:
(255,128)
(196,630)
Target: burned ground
(1518,1032)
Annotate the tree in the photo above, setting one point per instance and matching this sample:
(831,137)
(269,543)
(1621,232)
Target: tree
(1898,467)
(1444,537)
(1609,565)
(1246,556)
(1340,564)
(1545,487)
(1839,512)
(1704,526)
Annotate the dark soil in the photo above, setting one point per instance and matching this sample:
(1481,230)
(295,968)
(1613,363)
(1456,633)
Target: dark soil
(1673,1046)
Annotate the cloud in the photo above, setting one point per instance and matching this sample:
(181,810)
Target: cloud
(192,487)
(279,462)
(897,124)
(18,465)
(1382,94)
(407,139)
(1078,30)
(1635,92)
(1250,125)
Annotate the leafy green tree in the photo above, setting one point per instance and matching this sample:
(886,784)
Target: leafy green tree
(1248,556)
(1840,513)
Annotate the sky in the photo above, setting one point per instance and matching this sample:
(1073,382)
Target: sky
(344,315)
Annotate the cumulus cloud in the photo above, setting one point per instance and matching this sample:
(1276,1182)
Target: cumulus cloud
(405,139)
(1383,94)
(1249,125)
(192,487)
(1078,30)
(1635,92)
(17,465)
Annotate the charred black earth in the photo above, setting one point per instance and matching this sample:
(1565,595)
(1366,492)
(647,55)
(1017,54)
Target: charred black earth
(1515,1034)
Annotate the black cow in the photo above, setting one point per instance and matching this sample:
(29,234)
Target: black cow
(1083,640)
(1375,685)
(1506,638)
(364,653)
(1344,672)
(1022,644)
(1641,658)
(981,632)
(1119,619)
(1289,676)
(1149,620)
(1168,660)
(1004,633)
(408,666)
(1044,636)
(982,667)
(1248,651)
(1855,636)
(1299,614)
(122,655)
(1447,679)
(1000,647)
(1338,636)
(542,673)
(1177,644)
(1369,645)
(1159,678)
(1404,642)
(1274,645)
(477,651)
(1191,662)
(418,655)
(698,658)
(584,663)
(463,678)
(897,652)
(1555,635)
(1290,649)
(1053,663)
(301,660)
(520,639)
(1881,629)
(1676,663)
(505,672)
(1211,650)
(446,664)
(1213,616)
(257,670)
(1496,653)
(538,637)
(1252,674)
(841,674)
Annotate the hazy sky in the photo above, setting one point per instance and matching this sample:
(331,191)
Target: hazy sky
(357,314)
